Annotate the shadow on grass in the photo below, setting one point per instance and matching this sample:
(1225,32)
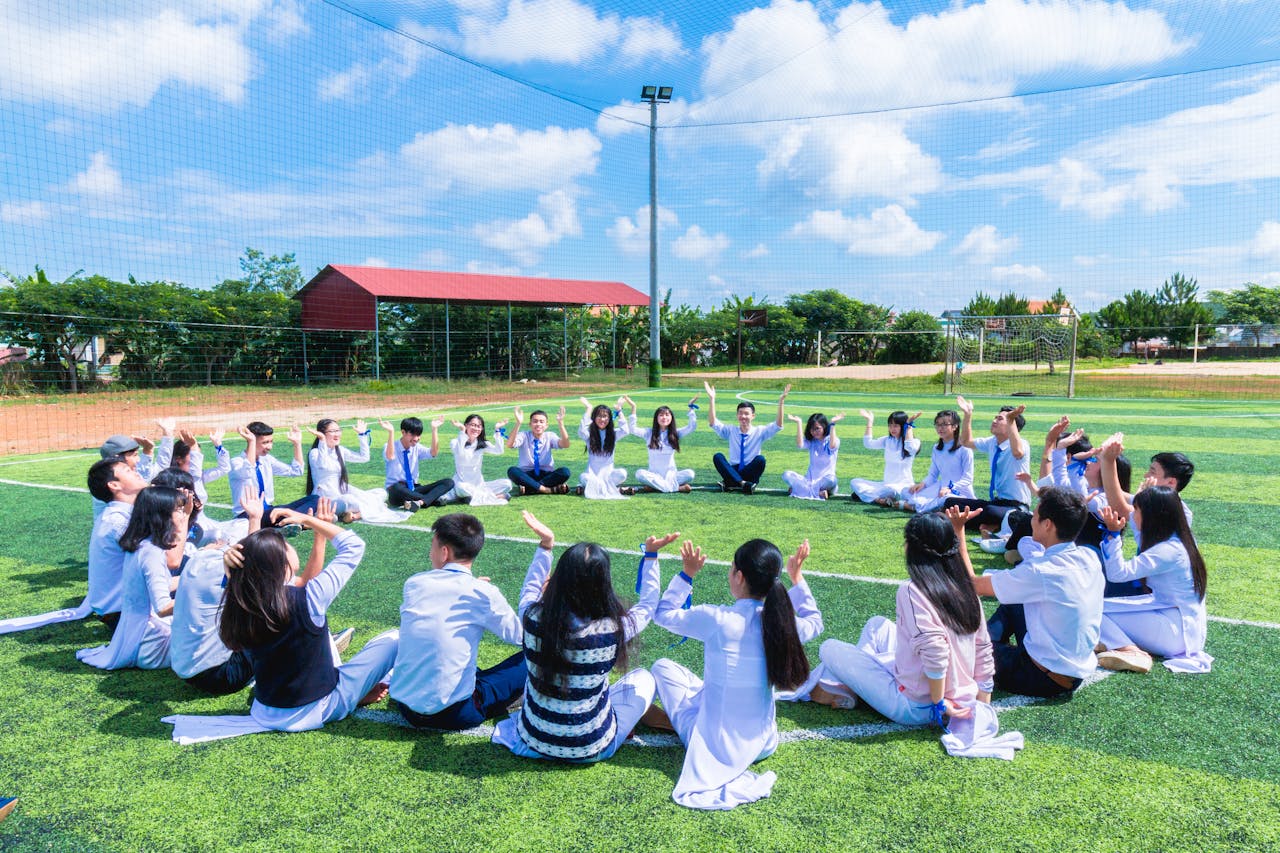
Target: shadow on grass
(68,572)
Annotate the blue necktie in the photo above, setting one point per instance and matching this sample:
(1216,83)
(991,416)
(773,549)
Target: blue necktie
(408,470)
(995,460)
(262,486)
(537,463)
(742,451)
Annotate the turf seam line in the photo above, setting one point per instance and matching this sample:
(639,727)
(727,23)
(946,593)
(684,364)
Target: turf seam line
(1226,620)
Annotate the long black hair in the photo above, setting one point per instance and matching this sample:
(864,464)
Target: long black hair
(152,518)
(954,417)
(935,567)
(176,478)
(481,439)
(1164,517)
(655,434)
(181,454)
(579,590)
(900,418)
(820,419)
(255,605)
(594,444)
(324,424)
(760,563)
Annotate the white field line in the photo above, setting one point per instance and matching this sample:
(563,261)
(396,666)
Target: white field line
(46,459)
(856,732)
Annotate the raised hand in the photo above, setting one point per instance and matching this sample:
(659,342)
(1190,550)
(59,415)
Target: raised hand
(964,406)
(710,389)
(916,415)
(1112,519)
(216,437)
(251,501)
(657,543)
(1055,432)
(499,425)
(836,418)
(692,558)
(585,402)
(167,425)
(1112,447)
(786,391)
(1071,438)
(233,558)
(694,401)
(145,443)
(437,423)
(796,418)
(187,437)
(361,426)
(870,418)
(560,416)
(795,563)
(295,434)
(959,516)
(243,432)
(519,415)
(546,539)
(386,424)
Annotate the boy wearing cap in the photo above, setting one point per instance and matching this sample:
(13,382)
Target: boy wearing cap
(136,453)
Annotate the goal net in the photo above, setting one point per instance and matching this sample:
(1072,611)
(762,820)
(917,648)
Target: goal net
(1016,355)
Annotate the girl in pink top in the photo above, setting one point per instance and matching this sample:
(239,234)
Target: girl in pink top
(936,661)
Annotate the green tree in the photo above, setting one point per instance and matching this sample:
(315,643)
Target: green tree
(917,339)
(1251,307)
(1138,315)
(1181,309)
(59,321)
(277,273)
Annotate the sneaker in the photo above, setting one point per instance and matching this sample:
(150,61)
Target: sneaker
(993,546)
(342,640)
(289,531)
(562,489)
(724,486)
(579,491)
(626,490)
(412,506)
(748,488)
(823,494)
(1125,660)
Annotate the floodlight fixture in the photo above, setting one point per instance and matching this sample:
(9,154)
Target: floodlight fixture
(664,94)
(648,93)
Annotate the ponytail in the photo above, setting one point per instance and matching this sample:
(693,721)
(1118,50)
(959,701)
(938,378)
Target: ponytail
(760,563)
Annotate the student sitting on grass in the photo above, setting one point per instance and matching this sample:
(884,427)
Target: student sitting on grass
(663,441)
(446,611)
(403,456)
(899,447)
(1171,621)
(1009,453)
(327,476)
(818,436)
(535,472)
(1051,602)
(185,455)
(136,452)
(259,467)
(950,469)
(601,480)
(727,723)
(744,466)
(576,632)
(154,543)
(469,449)
(1170,469)
(935,661)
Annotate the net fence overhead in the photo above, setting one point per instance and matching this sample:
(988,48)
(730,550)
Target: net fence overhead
(951,196)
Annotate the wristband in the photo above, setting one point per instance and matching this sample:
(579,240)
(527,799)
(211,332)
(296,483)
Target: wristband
(693,406)
(217,448)
(501,432)
(644,555)
(366,432)
(911,424)
(651,555)
(688,579)
(938,712)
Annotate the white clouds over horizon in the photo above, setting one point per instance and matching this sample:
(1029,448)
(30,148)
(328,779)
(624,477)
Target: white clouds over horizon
(984,244)
(501,157)
(889,231)
(561,31)
(697,245)
(524,239)
(631,236)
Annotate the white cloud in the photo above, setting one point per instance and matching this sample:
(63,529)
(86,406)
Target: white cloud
(101,61)
(888,231)
(375,262)
(487,268)
(100,180)
(524,239)
(501,157)
(632,235)
(984,244)
(434,259)
(399,61)
(563,31)
(24,213)
(760,250)
(696,245)
(1266,243)
(633,117)
(1018,272)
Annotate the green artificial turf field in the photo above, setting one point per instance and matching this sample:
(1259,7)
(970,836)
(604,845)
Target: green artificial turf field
(1154,762)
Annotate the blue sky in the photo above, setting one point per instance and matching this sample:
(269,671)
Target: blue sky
(904,153)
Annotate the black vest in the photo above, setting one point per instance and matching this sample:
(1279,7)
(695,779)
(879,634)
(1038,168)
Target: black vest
(297,667)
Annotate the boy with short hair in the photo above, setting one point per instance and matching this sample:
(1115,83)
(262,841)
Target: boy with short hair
(535,472)
(1050,602)
(259,467)
(445,612)
(135,451)
(744,466)
(115,483)
(1010,456)
(402,457)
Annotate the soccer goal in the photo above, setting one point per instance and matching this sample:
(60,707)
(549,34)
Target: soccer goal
(1016,355)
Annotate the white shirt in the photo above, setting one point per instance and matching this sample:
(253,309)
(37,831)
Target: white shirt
(243,471)
(662,459)
(326,468)
(1005,468)
(735,719)
(1167,569)
(444,614)
(897,469)
(524,445)
(822,459)
(395,467)
(598,462)
(1061,591)
(745,446)
(106,559)
(143,635)
(195,464)
(195,645)
(468,460)
(951,470)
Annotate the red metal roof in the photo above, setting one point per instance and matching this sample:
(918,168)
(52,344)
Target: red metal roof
(427,286)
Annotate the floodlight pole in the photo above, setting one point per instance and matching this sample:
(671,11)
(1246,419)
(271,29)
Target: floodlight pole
(654,95)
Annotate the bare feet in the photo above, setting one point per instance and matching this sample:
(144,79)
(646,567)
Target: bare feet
(823,696)
(544,490)
(377,694)
(656,718)
(823,494)
(686,488)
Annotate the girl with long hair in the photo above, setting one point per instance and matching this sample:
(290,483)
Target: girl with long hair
(576,631)
(1171,621)
(900,447)
(184,454)
(279,621)
(469,449)
(818,436)
(601,480)
(663,440)
(327,475)
(935,661)
(155,544)
(727,723)
(950,468)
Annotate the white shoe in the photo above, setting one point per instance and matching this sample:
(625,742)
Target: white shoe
(1125,660)
(342,640)
(993,546)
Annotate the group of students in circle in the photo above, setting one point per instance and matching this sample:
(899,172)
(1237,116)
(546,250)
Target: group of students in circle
(226,603)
